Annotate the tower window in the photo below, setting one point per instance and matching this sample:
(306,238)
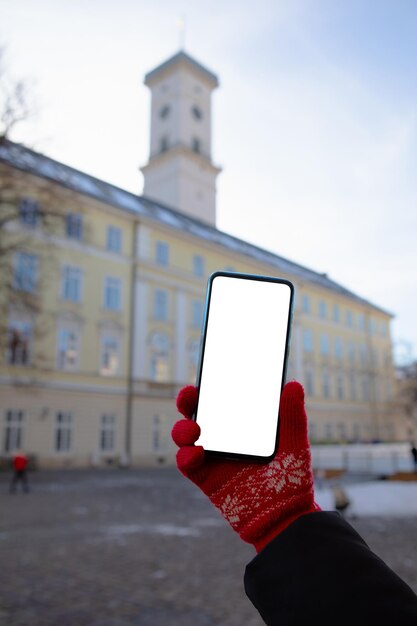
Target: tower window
(165,111)
(196,145)
(196,112)
(163,144)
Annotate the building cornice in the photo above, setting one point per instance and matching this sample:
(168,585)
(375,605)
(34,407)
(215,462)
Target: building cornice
(184,60)
(180,150)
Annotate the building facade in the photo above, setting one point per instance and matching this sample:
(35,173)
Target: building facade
(103,294)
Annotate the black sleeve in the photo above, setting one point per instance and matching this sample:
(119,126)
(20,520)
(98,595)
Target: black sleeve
(319,571)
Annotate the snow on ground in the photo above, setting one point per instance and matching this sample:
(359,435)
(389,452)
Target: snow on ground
(375,498)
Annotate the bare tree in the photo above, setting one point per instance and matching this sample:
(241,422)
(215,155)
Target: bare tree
(28,222)
(15,99)
(28,217)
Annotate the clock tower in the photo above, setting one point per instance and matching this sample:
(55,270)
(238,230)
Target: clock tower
(180,172)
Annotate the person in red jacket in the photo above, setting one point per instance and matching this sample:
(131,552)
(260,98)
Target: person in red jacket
(20,463)
(311,566)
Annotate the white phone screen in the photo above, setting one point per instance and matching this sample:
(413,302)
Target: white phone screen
(242,369)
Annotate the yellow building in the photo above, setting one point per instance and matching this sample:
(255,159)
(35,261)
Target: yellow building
(103,303)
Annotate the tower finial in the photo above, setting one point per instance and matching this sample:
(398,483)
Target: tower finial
(181,31)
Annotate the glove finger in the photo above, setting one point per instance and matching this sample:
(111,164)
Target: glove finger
(293,430)
(185,433)
(187,401)
(190,458)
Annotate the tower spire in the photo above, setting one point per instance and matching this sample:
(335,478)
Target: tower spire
(181,25)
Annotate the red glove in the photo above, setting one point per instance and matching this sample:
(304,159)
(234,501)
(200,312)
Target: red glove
(258,500)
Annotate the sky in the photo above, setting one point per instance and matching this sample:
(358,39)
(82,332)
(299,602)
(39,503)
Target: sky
(314,122)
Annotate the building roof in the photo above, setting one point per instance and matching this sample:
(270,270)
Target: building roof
(182,57)
(27,160)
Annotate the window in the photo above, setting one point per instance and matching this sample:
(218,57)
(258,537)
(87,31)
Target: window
(112,294)
(383,329)
(325,384)
(309,383)
(356,431)
(13,432)
(198,265)
(361,321)
(159,357)
(364,354)
(365,388)
(196,145)
(156,434)
(328,430)
(322,309)
(107,432)
(324,344)
(352,385)
(312,431)
(25,272)
(352,352)
(114,239)
(340,390)
(338,348)
(307,340)
(341,429)
(19,342)
(162,253)
(349,318)
(160,305)
(110,355)
(196,112)
(306,304)
(164,111)
(74,226)
(193,352)
(159,435)
(63,431)
(68,349)
(336,313)
(163,144)
(71,283)
(372,326)
(197,313)
(29,212)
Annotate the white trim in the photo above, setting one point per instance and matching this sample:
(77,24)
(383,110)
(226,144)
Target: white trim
(152,275)
(180,337)
(140,329)
(62,385)
(73,244)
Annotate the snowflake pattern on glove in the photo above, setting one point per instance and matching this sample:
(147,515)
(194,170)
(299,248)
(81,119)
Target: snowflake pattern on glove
(252,501)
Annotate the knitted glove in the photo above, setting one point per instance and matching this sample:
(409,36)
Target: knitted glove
(258,500)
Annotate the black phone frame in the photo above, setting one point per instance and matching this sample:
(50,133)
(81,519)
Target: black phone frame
(258,277)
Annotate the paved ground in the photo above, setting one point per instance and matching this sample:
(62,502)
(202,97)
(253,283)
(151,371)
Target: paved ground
(137,548)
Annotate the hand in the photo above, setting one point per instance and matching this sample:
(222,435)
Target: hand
(258,500)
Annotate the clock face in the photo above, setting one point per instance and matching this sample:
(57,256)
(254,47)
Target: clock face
(196,112)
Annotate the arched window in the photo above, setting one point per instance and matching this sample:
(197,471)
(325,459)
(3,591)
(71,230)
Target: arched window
(159,362)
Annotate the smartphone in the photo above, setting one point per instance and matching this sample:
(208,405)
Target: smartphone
(242,364)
